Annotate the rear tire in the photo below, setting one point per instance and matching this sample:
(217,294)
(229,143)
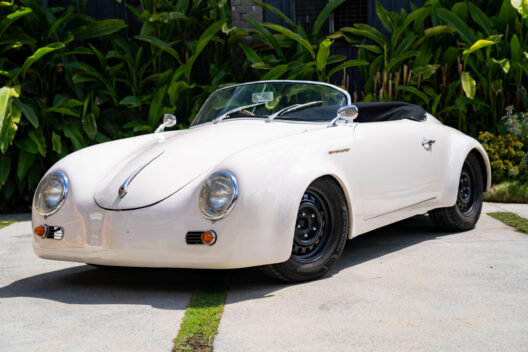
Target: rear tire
(321,232)
(466,211)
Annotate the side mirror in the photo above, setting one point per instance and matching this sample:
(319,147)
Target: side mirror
(348,112)
(169,120)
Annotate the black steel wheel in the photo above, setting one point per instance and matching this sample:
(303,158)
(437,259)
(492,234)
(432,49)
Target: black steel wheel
(466,211)
(312,227)
(320,233)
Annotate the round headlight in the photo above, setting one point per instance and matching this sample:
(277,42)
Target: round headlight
(218,195)
(51,193)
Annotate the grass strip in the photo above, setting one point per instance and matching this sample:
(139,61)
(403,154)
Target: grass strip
(6,222)
(202,317)
(511,219)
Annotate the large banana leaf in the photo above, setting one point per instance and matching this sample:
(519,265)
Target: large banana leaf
(325,13)
(468,85)
(9,117)
(39,53)
(454,21)
(98,29)
(12,17)
(277,13)
(161,45)
(294,36)
(204,39)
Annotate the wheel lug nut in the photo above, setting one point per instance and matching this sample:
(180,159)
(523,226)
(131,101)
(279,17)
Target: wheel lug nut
(314,228)
(298,226)
(313,215)
(303,213)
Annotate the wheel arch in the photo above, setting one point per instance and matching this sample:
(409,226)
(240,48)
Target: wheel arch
(485,169)
(345,193)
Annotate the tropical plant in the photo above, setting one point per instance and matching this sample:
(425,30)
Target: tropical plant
(505,153)
(400,59)
(291,53)
(39,124)
(68,81)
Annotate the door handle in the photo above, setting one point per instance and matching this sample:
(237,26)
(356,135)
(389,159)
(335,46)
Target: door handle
(428,142)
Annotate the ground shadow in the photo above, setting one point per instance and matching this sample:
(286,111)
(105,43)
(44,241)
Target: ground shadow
(157,287)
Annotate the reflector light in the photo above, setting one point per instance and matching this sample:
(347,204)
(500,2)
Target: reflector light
(208,237)
(41,230)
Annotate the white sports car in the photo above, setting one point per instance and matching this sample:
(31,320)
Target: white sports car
(277,174)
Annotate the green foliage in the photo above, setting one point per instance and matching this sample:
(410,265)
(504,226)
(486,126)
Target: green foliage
(508,192)
(505,154)
(6,222)
(68,81)
(278,52)
(461,61)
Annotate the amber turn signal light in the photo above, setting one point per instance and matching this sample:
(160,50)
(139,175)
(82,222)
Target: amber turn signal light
(208,237)
(41,230)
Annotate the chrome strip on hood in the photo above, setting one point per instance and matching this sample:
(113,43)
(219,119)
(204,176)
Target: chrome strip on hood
(123,188)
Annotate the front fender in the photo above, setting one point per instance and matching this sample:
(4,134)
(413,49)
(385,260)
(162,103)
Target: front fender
(273,176)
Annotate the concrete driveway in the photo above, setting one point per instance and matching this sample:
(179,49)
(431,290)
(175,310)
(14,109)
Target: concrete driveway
(406,287)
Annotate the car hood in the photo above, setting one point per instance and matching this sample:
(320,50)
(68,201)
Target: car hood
(163,165)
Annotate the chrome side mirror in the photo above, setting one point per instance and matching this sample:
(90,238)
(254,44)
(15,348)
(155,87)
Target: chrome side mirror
(169,120)
(348,113)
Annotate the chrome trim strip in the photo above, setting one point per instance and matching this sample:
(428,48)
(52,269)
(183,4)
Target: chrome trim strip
(123,188)
(393,211)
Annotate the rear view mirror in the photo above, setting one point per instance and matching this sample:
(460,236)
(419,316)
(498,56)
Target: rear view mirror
(348,112)
(169,120)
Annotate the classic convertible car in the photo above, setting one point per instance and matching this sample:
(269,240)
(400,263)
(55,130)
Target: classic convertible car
(277,174)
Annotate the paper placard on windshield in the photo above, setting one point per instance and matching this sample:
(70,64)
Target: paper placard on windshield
(262,97)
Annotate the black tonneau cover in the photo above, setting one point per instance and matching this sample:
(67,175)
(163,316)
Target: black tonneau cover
(368,112)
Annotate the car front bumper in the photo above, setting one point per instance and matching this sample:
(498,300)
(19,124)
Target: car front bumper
(252,234)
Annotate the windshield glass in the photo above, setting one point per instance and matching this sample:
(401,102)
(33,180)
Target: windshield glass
(273,100)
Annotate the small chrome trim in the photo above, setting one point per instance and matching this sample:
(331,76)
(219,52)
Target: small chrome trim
(65,189)
(402,208)
(123,188)
(234,182)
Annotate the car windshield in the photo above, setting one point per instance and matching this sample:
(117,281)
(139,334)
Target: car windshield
(296,101)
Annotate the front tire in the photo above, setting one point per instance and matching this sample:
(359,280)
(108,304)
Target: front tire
(320,234)
(466,211)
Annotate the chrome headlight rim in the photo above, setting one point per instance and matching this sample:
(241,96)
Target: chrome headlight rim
(65,189)
(233,200)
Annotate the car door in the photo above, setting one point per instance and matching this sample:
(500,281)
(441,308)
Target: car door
(396,164)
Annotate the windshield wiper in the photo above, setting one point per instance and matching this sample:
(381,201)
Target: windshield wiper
(293,108)
(232,111)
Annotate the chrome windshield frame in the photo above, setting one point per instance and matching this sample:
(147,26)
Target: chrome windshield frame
(347,95)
